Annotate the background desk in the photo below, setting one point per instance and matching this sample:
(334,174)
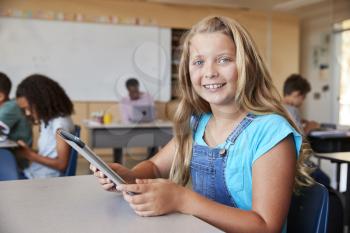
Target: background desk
(119,136)
(79,204)
(338,158)
(330,141)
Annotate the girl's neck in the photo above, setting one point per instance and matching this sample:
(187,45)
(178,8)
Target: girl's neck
(224,116)
(221,124)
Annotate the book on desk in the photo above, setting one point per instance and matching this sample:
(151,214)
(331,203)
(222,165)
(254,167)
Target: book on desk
(8,144)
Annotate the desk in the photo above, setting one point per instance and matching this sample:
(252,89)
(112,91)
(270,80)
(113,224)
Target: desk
(119,136)
(341,157)
(79,204)
(330,140)
(8,144)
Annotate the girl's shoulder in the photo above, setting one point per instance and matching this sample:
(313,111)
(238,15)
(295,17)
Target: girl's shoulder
(270,119)
(268,130)
(271,124)
(63,122)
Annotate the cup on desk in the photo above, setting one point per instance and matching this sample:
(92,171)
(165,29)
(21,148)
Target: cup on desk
(107,118)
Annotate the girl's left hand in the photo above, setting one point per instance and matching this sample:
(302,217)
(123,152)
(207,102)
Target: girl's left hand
(154,196)
(25,150)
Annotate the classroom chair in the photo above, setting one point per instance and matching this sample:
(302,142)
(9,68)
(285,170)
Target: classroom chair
(8,166)
(73,156)
(308,212)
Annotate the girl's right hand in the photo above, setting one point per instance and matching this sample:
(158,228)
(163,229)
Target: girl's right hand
(106,183)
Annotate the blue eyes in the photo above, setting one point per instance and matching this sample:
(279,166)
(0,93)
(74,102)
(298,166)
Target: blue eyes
(222,60)
(198,63)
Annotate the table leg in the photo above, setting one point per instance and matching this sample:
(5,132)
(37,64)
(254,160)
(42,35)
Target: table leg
(118,155)
(338,166)
(347,199)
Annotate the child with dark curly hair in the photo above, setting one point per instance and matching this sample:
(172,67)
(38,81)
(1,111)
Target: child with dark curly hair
(45,102)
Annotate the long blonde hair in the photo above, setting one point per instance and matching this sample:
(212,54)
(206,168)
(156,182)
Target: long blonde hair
(255,93)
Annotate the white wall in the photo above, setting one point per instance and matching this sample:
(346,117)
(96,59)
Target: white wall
(316,28)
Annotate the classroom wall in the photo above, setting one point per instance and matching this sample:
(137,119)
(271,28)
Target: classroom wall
(316,33)
(316,48)
(276,35)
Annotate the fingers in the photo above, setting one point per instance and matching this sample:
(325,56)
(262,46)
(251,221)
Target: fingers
(149,181)
(105,182)
(136,199)
(134,188)
(21,143)
(109,187)
(96,172)
(140,203)
(145,213)
(93,168)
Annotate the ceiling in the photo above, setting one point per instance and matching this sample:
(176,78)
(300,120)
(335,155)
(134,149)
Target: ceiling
(265,5)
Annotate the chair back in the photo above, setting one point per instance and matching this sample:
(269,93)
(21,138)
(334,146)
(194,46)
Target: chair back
(73,156)
(8,166)
(308,212)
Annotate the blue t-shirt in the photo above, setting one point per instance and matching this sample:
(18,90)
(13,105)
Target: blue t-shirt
(261,135)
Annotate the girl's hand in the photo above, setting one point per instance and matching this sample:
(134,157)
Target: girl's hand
(106,183)
(154,196)
(25,150)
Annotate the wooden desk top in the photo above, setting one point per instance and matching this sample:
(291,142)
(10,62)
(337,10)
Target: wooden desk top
(79,204)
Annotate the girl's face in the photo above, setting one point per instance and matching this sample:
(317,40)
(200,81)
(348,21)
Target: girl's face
(23,103)
(212,67)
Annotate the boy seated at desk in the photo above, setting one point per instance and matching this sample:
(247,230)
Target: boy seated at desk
(13,123)
(138,106)
(295,89)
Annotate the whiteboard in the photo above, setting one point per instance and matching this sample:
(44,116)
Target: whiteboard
(91,61)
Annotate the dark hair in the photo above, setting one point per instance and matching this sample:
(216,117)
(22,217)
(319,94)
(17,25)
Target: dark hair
(296,82)
(46,96)
(5,84)
(132,82)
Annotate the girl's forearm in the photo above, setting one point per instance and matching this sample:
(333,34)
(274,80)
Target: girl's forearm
(146,170)
(226,218)
(50,162)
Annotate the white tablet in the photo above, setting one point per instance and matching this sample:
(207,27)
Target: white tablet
(90,156)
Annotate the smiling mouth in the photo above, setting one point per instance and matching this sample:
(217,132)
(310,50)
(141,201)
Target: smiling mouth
(214,86)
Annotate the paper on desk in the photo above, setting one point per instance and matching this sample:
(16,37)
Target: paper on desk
(330,133)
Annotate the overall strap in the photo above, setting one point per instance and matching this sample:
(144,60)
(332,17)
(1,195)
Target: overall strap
(239,129)
(195,119)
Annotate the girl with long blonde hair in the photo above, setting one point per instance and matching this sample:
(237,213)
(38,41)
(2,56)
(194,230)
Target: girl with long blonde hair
(232,138)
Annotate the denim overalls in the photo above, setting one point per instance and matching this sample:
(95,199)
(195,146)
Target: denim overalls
(208,165)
